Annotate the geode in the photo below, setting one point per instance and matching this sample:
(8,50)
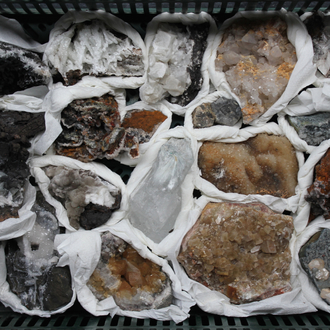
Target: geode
(240,250)
(175,60)
(31,261)
(92,48)
(318,192)
(264,164)
(135,283)
(88,200)
(20,69)
(257,59)
(315,260)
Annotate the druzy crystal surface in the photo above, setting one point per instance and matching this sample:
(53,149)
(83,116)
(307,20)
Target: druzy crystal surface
(31,264)
(88,200)
(135,283)
(257,59)
(156,202)
(175,60)
(92,48)
(240,250)
(318,192)
(315,260)
(264,164)
(20,69)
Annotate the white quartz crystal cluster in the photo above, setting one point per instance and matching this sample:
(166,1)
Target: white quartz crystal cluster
(169,56)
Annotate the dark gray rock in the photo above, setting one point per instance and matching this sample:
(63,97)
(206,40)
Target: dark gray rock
(203,116)
(226,111)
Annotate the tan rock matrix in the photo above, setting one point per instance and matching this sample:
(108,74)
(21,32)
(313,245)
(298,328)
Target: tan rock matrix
(264,164)
(240,250)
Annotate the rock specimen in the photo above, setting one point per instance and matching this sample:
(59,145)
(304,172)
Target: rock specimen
(313,129)
(20,69)
(264,164)
(134,283)
(315,260)
(240,250)
(223,111)
(88,200)
(31,264)
(175,60)
(257,60)
(318,192)
(156,202)
(92,48)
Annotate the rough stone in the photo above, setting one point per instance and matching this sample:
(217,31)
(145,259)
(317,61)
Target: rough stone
(203,116)
(226,111)
(264,164)
(257,59)
(135,283)
(313,129)
(20,69)
(314,257)
(240,250)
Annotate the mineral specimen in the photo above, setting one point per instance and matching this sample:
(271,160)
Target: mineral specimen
(175,61)
(240,250)
(315,260)
(318,192)
(156,202)
(92,48)
(31,264)
(223,111)
(88,200)
(135,283)
(313,129)
(264,164)
(257,59)
(20,69)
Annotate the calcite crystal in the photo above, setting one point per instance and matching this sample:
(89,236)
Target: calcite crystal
(264,164)
(175,61)
(134,283)
(88,200)
(313,129)
(156,202)
(20,69)
(223,111)
(240,250)
(31,261)
(318,192)
(315,260)
(257,60)
(92,48)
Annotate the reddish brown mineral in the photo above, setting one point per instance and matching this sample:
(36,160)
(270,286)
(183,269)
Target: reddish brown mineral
(265,164)
(241,250)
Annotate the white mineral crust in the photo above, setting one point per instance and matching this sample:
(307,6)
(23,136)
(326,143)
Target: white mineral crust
(155,205)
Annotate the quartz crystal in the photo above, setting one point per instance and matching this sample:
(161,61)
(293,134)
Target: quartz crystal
(240,250)
(88,200)
(31,263)
(257,59)
(313,129)
(134,283)
(175,60)
(91,48)
(156,202)
(315,260)
(264,164)
(20,69)
(318,192)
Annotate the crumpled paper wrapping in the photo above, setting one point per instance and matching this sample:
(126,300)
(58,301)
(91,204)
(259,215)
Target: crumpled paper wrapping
(211,301)
(36,165)
(302,75)
(81,251)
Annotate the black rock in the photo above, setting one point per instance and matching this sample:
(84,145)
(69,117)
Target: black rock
(226,111)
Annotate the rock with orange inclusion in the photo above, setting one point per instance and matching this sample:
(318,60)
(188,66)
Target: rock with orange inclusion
(257,59)
(264,164)
(318,192)
(240,250)
(135,283)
